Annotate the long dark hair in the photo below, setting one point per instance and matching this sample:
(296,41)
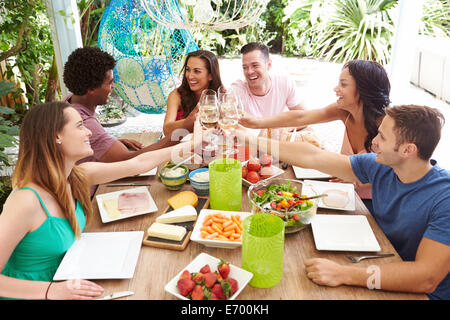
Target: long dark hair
(373,86)
(188,99)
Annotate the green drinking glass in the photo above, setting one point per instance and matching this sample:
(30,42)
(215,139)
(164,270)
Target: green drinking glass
(225,184)
(263,248)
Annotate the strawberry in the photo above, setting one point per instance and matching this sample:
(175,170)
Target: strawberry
(186,275)
(185,286)
(224,269)
(244,172)
(218,291)
(213,296)
(266,160)
(252,177)
(205,269)
(198,277)
(253,164)
(233,284)
(197,293)
(227,290)
(266,172)
(210,279)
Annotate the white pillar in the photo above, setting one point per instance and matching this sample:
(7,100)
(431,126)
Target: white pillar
(404,46)
(66,32)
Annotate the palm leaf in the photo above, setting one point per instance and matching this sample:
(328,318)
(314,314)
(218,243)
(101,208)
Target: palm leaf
(354,29)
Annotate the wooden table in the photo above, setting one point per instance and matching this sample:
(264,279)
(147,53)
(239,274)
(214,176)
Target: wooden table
(156,267)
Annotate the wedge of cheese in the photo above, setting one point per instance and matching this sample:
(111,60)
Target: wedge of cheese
(166,231)
(182,199)
(183,214)
(112,208)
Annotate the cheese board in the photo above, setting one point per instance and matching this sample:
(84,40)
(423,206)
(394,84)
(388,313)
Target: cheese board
(203,203)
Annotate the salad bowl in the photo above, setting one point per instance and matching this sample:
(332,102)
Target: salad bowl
(283,198)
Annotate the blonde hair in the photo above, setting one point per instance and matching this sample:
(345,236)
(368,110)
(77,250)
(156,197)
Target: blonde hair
(41,161)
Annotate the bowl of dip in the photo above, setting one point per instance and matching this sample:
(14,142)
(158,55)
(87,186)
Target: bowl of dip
(199,179)
(173,179)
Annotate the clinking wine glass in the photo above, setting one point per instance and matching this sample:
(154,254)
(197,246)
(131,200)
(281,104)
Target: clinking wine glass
(229,117)
(209,116)
(231,94)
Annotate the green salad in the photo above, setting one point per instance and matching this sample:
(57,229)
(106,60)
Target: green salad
(284,201)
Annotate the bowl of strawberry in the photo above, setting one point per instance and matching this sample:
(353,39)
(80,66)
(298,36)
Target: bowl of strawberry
(209,278)
(255,170)
(287,199)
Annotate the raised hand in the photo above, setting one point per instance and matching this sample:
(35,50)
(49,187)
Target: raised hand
(248,121)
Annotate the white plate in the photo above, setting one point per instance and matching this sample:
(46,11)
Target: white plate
(343,233)
(322,186)
(196,234)
(101,255)
(149,173)
(276,172)
(303,173)
(242,276)
(115,195)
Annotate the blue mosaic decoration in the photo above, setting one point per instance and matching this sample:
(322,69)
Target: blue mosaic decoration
(149,56)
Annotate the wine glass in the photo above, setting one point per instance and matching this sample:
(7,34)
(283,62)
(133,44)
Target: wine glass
(222,91)
(229,116)
(209,116)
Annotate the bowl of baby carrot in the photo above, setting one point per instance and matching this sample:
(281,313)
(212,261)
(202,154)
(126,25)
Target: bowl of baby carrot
(219,229)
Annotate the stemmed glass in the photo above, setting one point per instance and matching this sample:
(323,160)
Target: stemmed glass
(209,116)
(229,116)
(222,91)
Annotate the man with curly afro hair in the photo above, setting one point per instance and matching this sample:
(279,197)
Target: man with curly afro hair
(88,74)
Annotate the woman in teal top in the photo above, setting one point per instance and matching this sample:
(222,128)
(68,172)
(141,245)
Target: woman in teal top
(50,204)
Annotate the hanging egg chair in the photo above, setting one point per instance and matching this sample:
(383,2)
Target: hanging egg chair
(149,56)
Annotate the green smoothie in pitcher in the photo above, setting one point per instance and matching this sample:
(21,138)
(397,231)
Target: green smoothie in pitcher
(225,184)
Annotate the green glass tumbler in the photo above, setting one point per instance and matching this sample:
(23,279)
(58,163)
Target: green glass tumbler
(225,184)
(263,248)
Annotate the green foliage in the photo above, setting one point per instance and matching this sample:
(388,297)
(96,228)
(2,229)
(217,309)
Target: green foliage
(34,58)
(91,12)
(335,30)
(229,42)
(298,40)
(355,29)
(8,130)
(273,17)
(436,18)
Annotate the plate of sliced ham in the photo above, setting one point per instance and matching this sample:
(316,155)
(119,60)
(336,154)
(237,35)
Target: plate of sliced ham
(125,204)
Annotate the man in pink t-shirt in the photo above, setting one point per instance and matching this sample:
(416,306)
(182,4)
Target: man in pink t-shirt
(263,93)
